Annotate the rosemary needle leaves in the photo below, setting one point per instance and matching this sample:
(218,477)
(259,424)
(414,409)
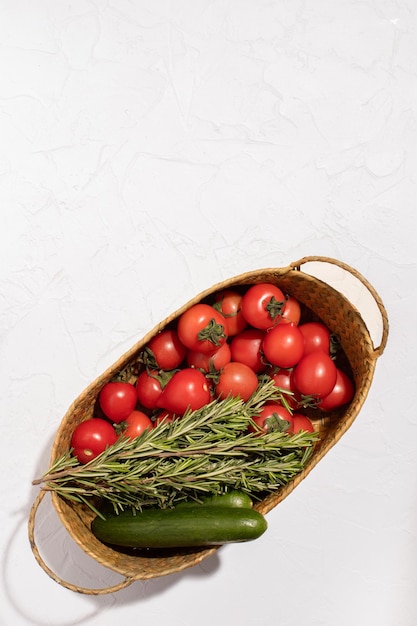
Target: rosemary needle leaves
(207,451)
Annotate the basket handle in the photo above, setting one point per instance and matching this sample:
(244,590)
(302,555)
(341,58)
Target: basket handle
(344,266)
(85,590)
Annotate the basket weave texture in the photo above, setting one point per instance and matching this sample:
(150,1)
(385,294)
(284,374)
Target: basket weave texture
(321,301)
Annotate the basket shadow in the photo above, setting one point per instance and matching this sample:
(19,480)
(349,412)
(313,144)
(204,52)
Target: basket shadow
(146,589)
(88,606)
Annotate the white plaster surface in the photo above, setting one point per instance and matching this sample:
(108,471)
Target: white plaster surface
(149,149)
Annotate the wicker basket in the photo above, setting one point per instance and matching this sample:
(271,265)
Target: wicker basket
(321,301)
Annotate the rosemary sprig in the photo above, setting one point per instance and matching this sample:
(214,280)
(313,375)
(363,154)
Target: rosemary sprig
(206,451)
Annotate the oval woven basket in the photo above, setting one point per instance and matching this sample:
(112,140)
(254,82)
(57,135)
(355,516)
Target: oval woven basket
(321,301)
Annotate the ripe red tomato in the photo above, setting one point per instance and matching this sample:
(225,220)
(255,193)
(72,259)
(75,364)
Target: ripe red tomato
(246,347)
(283,380)
(187,389)
(263,305)
(283,345)
(273,417)
(209,362)
(236,379)
(91,438)
(301,422)
(202,328)
(148,388)
(165,351)
(291,312)
(229,303)
(315,375)
(117,400)
(341,394)
(135,424)
(316,336)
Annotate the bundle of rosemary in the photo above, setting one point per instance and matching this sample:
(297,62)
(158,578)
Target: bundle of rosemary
(208,451)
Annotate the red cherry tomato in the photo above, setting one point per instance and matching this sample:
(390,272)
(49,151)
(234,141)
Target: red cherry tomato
(246,347)
(315,375)
(291,312)
(273,417)
(202,328)
(117,400)
(283,380)
(209,362)
(135,424)
(263,305)
(148,388)
(236,379)
(316,336)
(301,422)
(341,394)
(283,345)
(229,303)
(187,389)
(91,438)
(165,351)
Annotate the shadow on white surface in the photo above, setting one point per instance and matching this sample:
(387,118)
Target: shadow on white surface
(62,554)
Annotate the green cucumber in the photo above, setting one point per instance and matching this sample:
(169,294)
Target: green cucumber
(180,527)
(229,499)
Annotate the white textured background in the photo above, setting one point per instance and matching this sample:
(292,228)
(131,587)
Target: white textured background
(149,149)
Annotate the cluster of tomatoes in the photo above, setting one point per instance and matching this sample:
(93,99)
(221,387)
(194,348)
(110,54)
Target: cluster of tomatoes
(223,348)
